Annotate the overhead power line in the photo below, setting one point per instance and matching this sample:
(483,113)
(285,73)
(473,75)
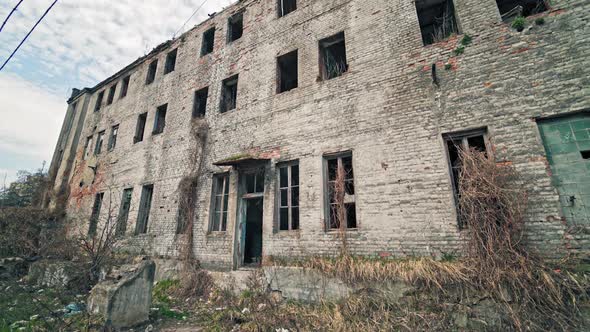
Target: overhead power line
(10,14)
(194,13)
(28,34)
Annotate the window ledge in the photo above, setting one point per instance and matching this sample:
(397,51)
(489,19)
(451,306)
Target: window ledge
(216,234)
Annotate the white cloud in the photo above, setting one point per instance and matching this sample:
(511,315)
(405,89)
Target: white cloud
(78,44)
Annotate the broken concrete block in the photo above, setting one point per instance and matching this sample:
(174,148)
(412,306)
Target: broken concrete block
(55,273)
(124,299)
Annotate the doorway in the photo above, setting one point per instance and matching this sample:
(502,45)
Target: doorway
(252,189)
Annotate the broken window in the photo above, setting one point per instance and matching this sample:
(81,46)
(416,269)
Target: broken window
(340,195)
(333,56)
(160,121)
(140,128)
(151,75)
(87,147)
(219,196)
(287,72)
(124,212)
(286,6)
(99,141)
(111,96)
(455,143)
(99,101)
(145,204)
(235,27)
(95,214)
(229,94)
(170,62)
(200,103)
(113,137)
(124,87)
(208,41)
(288,196)
(510,9)
(437,20)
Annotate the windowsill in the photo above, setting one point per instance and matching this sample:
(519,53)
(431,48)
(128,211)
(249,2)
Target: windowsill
(287,91)
(229,111)
(204,55)
(443,42)
(336,231)
(321,79)
(156,134)
(217,234)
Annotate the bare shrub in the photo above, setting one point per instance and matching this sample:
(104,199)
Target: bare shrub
(492,204)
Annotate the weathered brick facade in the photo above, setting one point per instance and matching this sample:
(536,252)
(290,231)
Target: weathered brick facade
(385,109)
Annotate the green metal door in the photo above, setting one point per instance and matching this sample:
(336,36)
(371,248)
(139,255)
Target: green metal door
(567,143)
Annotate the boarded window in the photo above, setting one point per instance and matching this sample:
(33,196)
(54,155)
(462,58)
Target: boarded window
(140,128)
(208,41)
(124,212)
(94,217)
(99,141)
(437,20)
(151,75)
(99,99)
(340,194)
(287,72)
(111,95)
(454,144)
(200,103)
(229,94)
(145,205)
(288,200)
(124,86)
(219,197)
(235,27)
(170,62)
(333,56)
(113,137)
(87,147)
(510,9)
(286,6)
(160,120)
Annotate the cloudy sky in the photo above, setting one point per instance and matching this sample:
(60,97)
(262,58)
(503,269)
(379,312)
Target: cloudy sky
(78,44)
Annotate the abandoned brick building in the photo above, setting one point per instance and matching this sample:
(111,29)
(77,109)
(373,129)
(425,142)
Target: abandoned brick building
(236,130)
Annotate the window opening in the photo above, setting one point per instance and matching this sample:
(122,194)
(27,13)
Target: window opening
(151,75)
(145,205)
(92,227)
(208,42)
(124,212)
(235,27)
(87,147)
(288,196)
(229,94)
(220,196)
(333,56)
(170,62)
(99,141)
(286,7)
(340,191)
(287,71)
(113,138)
(160,121)
(124,87)
(140,128)
(99,101)
(437,20)
(510,9)
(200,103)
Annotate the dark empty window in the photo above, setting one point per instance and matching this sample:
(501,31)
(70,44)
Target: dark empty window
(200,103)
(99,141)
(286,6)
(124,212)
(160,121)
(437,20)
(229,94)
(151,75)
(124,86)
(340,193)
(111,96)
(140,128)
(95,214)
(585,154)
(208,41)
(235,27)
(333,56)
(99,101)
(87,147)
(287,72)
(113,137)
(510,9)
(219,197)
(455,143)
(288,196)
(145,204)
(170,61)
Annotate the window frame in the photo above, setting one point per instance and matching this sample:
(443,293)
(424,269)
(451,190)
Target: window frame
(280,60)
(289,188)
(327,202)
(280,6)
(111,95)
(203,92)
(230,26)
(205,50)
(145,207)
(323,45)
(95,214)
(170,65)
(113,137)
(463,136)
(455,24)
(121,227)
(223,108)
(98,104)
(224,211)
(124,86)
(99,142)
(160,120)
(87,147)
(141,118)
(152,71)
